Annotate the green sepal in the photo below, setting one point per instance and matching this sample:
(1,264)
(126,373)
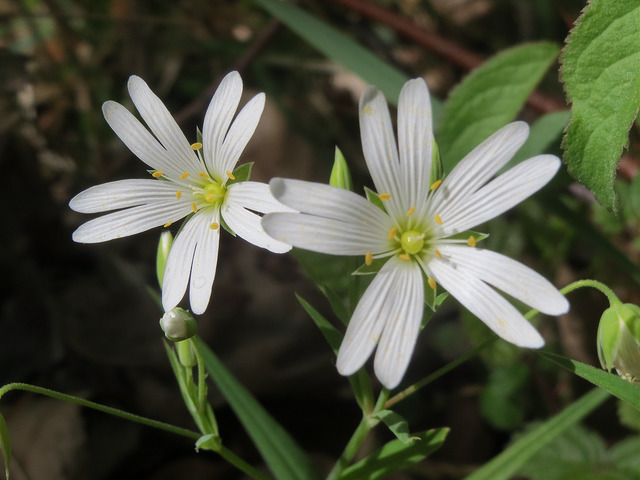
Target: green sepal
(397,424)
(374,198)
(479,236)
(210,441)
(375,267)
(162,254)
(224,225)
(360,382)
(241,174)
(198,135)
(395,456)
(437,170)
(340,175)
(5,445)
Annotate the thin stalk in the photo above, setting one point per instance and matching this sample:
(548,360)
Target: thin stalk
(102,408)
(240,464)
(593,284)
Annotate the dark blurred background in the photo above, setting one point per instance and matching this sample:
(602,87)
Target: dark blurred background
(79,318)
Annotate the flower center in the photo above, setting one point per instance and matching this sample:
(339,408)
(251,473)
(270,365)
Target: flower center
(412,242)
(214,193)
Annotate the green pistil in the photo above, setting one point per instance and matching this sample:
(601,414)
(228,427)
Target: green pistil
(214,193)
(412,242)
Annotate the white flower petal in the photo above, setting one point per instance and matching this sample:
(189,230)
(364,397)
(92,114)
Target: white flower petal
(474,170)
(205,259)
(501,194)
(398,339)
(221,110)
(330,202)
(239,135)
(255,196)
(130,221)
(163,125)
(415,140)
(122,194)
(380,150)
(510,276)
(325,235)
(485,303)
(372,312)
(248,225)
(178,268)
(138,139)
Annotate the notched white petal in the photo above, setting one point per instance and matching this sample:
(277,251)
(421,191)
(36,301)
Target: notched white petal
(122,194)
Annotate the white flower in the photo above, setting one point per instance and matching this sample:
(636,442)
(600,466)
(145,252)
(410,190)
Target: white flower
(190,180)
(415,232)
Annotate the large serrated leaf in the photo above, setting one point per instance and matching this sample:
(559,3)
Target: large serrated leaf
(5,445)
(337,46)
(285,458)
(601,72)
(506,464)
(395,456)
(490,97)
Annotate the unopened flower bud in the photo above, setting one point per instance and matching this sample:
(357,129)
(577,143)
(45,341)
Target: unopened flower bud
(178,324)
(619,340)
(340,176)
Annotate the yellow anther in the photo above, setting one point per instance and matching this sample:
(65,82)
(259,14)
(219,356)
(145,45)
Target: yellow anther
(202,174)
(178,194)
(368,258)
(471,241)
(435,184)
(410,211)
(384,196)
(392,233)
(438,219)
(168,224)
(438,253)
(157,173)
(194,207)
(231,175)
(184,175)
(432,283)
(196,146)
(404,256)
(368,110)
(214,226)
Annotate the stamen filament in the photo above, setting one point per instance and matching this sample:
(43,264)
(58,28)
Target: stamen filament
(157,173)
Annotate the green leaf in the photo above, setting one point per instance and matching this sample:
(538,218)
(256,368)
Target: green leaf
(395,456)
(340,48)
(608,381)
(601,72)
(397,424)
(285,458)
(490,97)
(507,463)
(5,445)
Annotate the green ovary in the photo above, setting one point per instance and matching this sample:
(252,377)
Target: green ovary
(412,242)
(214,193)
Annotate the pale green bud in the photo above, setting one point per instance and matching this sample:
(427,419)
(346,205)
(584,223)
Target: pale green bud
(164,245)
(178,324)
(340,176)
(619,340)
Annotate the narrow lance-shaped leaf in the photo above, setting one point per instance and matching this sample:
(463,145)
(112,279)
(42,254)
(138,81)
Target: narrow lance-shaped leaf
(395,456)
(281,453)
(490,97)
(601,72)
(397,424)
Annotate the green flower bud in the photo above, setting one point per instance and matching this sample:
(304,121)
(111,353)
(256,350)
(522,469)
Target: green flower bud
(340,176)
(619,340)
(164,245)
(178,324)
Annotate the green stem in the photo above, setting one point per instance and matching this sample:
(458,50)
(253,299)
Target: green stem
(593,284)
(202,386)
(102,408)
(361,432)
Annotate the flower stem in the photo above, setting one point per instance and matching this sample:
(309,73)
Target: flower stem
(359,435)
(593,284)
(102,408)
